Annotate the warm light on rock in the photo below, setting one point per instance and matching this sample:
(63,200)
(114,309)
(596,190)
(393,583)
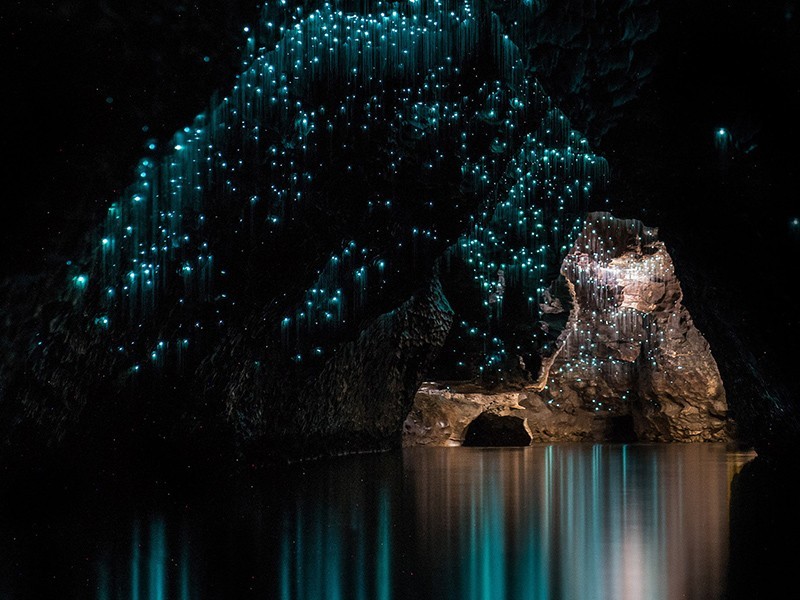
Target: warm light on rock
(630,364)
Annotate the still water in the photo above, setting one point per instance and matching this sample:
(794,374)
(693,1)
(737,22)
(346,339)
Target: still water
(546,522)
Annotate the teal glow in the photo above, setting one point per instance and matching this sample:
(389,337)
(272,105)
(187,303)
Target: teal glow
(103,582)
(152,569)
(335,551)
(184,591)
(157,573)
(722,139)
(578,522)
(81,281)
(384,557)
(571,521)
(285,568)
(135,563)
(532,179)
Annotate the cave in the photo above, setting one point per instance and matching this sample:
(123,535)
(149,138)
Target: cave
(400,294)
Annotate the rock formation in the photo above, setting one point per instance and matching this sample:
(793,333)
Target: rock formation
(629,364)
(441,414)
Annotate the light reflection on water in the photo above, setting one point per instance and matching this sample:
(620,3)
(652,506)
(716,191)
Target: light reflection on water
(582,522)
(548,522)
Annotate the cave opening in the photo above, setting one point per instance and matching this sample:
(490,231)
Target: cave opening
(620,429)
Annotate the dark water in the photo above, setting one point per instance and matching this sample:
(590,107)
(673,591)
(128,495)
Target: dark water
(565,521)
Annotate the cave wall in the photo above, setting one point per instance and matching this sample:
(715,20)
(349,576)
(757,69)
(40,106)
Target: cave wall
(57,351)
(226,292)
(356,403)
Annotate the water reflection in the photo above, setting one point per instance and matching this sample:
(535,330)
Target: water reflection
(550,522)
(340,550)
(152,568)
(578,522)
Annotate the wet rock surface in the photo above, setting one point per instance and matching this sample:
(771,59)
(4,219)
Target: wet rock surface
(441,414)
(262,409)
(630,364)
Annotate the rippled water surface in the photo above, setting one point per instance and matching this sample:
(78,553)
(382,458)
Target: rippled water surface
(564,521)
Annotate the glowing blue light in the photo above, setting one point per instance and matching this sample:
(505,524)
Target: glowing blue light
(80,281)
(722,139)
(153,242)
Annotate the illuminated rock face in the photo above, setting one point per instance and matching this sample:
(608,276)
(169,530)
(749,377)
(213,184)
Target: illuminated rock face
(441,415)
(630,346)
(629,364)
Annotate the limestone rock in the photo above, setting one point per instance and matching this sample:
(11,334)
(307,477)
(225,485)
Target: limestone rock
(440,415)
(631,348)
(630,364)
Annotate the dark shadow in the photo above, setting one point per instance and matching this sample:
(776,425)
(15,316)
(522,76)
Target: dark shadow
(764,531)
(495,430)
(621,430)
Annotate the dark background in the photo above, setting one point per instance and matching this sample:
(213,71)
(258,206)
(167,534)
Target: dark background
(88,85)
